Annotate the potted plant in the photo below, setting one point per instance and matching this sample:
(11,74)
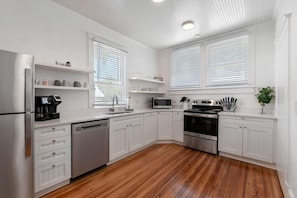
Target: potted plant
(264,96)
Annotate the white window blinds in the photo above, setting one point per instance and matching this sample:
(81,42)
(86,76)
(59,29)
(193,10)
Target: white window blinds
(185,68)
(228,62)
(109,65)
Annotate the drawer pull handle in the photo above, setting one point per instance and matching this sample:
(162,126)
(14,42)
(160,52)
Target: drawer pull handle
(54,153)
(53,166)
(54,141)
(54,128)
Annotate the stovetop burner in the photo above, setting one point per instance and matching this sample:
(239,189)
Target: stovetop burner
(205,107)
(212,111)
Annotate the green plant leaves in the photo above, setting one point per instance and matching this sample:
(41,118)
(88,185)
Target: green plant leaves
(265,95)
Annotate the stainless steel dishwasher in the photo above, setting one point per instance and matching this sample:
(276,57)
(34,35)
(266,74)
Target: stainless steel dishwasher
(90,146)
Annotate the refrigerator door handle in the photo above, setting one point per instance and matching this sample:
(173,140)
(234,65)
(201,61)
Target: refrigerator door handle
(28,133)
(28,90)
(28,113)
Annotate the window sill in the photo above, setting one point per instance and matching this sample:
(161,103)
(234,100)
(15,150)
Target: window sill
(216,90)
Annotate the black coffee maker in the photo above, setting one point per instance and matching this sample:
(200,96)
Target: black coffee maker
(46,107)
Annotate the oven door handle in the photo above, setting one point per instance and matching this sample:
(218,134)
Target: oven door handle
(212,116)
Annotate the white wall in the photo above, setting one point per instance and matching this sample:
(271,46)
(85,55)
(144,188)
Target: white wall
(262,61)
(287,170)
(53,33)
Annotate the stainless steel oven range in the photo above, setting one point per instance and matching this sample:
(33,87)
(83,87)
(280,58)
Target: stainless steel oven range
(201,125)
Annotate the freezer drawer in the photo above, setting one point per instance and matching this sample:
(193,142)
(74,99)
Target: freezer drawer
(16,169)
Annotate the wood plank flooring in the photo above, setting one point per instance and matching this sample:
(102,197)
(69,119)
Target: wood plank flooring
(169,170)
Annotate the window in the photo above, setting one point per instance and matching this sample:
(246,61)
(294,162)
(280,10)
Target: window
(185,67)
(109,66)
(228,62)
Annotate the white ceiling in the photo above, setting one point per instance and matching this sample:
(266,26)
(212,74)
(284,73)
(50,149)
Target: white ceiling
(159,25)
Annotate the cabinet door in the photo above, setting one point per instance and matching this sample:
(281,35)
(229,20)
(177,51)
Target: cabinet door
(51,174)
(118,145)
(150,129)
(257,143)
(230,138)
(164,125)
(178,126)
(135,130)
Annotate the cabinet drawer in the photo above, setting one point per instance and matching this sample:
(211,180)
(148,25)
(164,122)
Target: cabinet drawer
(52,157)
(51,132)
(256,122)
(52,144)
(178,115)
(125,118)
(231,120)
(150,114)
(51,174)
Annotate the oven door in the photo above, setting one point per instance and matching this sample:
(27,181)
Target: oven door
(202,124)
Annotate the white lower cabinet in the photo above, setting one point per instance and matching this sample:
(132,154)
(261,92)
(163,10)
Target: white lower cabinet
(126,135)
(135,131)
(247,137)
(165,125)
(51,174)
(230,135)
(178,126)
(52,156)
(150,128)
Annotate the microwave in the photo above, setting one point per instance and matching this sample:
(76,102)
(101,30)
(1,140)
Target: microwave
(161,103)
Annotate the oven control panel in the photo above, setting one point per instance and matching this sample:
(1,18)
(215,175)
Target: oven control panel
(206,102)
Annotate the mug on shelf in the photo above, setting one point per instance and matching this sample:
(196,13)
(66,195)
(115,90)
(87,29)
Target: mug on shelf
(57,83)
(45,82)
(76,84)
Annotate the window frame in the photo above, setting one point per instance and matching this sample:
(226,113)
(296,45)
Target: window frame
(198,46)
(92,100)
(226,89)
(207,66)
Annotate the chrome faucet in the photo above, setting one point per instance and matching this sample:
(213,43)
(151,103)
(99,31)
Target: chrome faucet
(117,102)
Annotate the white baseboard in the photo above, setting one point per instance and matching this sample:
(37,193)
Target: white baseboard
(287,191)
(291,193)
(244,159)
(52,188)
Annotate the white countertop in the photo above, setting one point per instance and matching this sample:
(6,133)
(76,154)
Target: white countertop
(249,114)
(90,115)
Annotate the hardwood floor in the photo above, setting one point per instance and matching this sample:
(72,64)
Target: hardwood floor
(169,170)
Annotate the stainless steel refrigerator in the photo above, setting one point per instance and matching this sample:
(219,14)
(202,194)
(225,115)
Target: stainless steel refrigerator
(16,125)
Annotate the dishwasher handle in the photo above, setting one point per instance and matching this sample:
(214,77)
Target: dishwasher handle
(92,126)
(87,126)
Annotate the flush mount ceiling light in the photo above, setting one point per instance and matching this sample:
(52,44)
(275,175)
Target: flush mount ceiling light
(188,25)
(157,1)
